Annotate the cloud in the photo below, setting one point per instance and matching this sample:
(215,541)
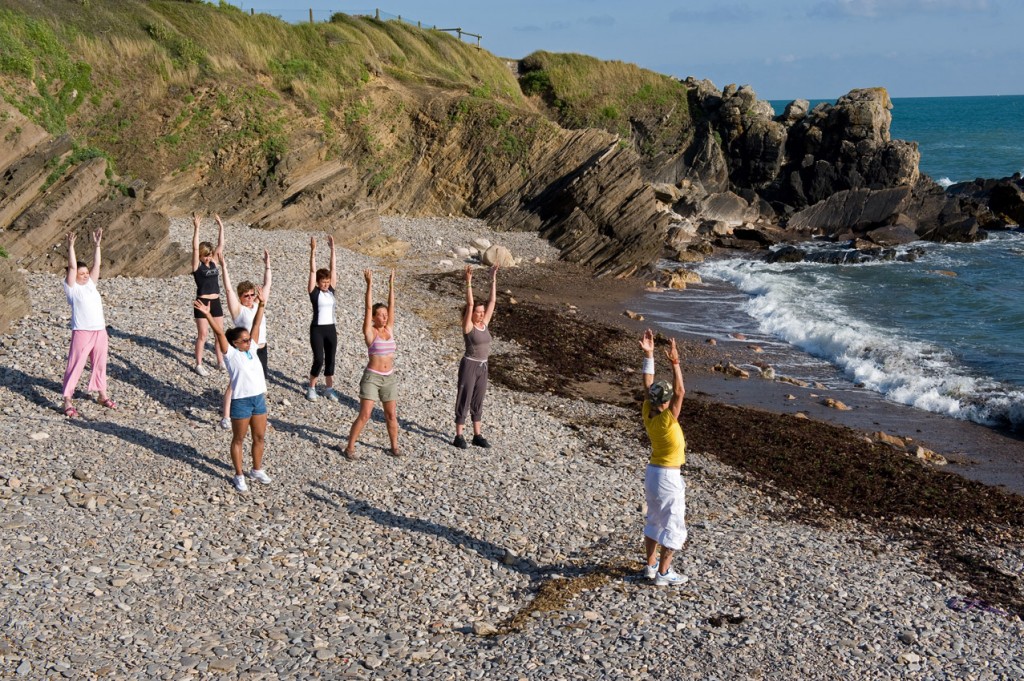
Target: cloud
(722,14)
(603,20)
(872,9)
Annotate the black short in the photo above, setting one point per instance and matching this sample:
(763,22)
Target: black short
(215,309)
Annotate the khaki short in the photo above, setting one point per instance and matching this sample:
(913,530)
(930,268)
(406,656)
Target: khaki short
(378,388)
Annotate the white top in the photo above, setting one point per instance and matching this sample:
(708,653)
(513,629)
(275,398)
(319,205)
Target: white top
(325,308)
(245,372)
(245,317)
(86,306)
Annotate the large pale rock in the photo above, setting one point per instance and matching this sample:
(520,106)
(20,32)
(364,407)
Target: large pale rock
(678,279)
(498,255)
(729,208)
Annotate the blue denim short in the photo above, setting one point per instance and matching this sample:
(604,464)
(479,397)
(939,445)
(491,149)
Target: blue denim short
(245,407)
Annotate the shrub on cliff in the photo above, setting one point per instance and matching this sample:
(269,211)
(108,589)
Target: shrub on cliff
(649,109)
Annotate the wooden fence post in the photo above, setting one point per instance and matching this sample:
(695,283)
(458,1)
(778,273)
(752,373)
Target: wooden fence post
(311,15)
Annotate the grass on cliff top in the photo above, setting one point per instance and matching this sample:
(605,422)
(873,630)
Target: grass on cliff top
(588,92)
(186,43)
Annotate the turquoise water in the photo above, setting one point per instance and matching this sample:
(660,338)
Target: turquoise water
(960,138)
(944,333)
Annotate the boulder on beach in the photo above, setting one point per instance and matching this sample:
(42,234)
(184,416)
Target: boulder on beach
(481,244)
(498,255)
(678,279)
(891,440)
(730,369)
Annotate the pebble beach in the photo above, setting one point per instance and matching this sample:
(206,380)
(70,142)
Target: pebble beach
(127,554)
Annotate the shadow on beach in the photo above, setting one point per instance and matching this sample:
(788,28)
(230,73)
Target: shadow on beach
(36,389)
(172,449)
(458,538)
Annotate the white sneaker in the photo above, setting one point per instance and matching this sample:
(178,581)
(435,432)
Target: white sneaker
(670,578)
(258,475)
(225,424)
(239,482)
(311,394)
(331,395)
(651,571)
(201,370)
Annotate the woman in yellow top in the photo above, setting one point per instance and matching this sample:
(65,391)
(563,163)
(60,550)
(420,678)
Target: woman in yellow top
(665,524)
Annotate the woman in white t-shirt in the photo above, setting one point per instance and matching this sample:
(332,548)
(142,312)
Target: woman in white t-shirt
(323,334)
(88,327)
(242,308)
(248,390)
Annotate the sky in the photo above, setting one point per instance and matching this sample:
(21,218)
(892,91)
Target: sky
(784,49)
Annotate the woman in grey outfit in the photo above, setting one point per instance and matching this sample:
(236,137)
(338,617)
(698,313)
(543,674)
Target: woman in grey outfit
(473,367)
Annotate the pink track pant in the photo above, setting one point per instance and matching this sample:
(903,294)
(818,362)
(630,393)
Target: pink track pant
(91,345)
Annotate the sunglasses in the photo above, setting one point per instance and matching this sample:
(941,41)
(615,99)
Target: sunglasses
(248,295)
(244,340)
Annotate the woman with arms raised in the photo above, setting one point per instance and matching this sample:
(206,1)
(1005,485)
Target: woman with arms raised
(664,488)
(248,390)
(323,334)
(473,367)
(242,308)
(204,271)
(88,327)
(379,382)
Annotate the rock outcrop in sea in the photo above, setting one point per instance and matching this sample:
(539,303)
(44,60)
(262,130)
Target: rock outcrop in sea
(751,178)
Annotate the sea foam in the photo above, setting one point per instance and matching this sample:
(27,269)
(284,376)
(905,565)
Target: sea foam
(803,305)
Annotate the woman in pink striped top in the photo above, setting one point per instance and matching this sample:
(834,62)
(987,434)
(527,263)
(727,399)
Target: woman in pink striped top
(379,382)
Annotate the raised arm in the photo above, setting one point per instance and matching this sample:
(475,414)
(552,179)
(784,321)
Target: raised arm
(492,301)
(266,273)
(97,236)
(334,262)
(678,391)
(234,304)
(72,273)
(368,317)
(204,308)
(312,264)
(467,317)
(94,273)
(254,332)
(647,345)
(220,234)
(196,220)
(391,300)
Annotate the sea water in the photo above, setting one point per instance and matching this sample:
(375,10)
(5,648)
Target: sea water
(944,333)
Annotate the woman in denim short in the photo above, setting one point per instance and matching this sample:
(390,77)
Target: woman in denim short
(248,390)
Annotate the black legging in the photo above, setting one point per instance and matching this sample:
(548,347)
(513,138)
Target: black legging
(324,341)
(262,354)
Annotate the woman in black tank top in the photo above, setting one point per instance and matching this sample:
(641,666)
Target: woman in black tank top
(207,278)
